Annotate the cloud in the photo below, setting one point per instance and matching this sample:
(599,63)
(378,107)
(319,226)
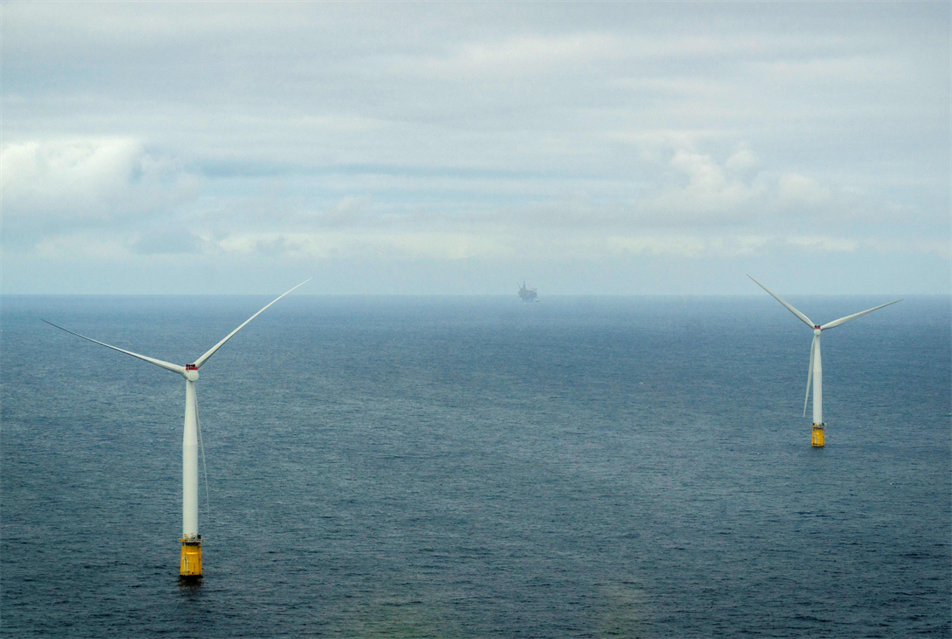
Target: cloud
(56,185)
(82,247)
(819,244)
(711,194)
(676,184)
(683,246)
(938,246)
(852,69)
(521,55)
(743,162)
(800,191)
(157,133)
(167,242)
(405,245)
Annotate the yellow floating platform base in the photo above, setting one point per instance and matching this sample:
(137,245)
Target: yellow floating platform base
(818,436)
(191,565)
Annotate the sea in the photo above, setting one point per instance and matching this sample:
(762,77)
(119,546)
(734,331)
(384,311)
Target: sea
(477,467)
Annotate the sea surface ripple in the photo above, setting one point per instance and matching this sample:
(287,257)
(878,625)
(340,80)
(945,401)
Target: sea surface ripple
(478,467)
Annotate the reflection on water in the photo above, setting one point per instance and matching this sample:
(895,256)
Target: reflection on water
(399,617)
(620,611)
(624,612)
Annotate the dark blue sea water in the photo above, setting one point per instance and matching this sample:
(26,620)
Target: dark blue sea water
(478,467)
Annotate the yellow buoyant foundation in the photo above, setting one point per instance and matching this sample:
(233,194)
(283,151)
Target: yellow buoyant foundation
(818,436)
(191,565)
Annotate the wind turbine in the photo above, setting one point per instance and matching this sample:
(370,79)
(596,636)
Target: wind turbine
(815,372)
(190,566)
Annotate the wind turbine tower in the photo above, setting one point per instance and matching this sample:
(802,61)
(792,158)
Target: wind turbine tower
(190,566)
(815,371)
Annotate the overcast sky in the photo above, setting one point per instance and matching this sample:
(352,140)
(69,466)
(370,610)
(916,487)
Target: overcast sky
(461,148)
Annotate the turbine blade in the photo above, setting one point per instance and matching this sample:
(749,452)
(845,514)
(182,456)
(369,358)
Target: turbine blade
(201,447)
(175,368)
(809,374)
(843,320)
(803,318)
(204,358)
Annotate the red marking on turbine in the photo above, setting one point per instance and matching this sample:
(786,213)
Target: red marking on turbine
(191,367)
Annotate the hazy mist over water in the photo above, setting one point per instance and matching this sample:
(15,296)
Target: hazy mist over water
(478,467)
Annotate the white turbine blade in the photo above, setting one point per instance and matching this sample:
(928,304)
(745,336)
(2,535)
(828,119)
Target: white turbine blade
(201,447)
(201,360)
(843,320)
(804,318)
(175,368)
(809,374)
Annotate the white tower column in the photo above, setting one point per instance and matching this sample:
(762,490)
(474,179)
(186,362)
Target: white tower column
(190,566)
(819,437)
(190,464)
(817,384)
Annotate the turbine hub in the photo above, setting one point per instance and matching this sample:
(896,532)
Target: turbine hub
(816,330)
(191,372)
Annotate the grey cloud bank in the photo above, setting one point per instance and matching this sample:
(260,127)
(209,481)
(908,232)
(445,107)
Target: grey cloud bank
(423,148)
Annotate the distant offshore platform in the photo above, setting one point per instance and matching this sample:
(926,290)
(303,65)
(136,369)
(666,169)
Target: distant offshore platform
(528,294)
